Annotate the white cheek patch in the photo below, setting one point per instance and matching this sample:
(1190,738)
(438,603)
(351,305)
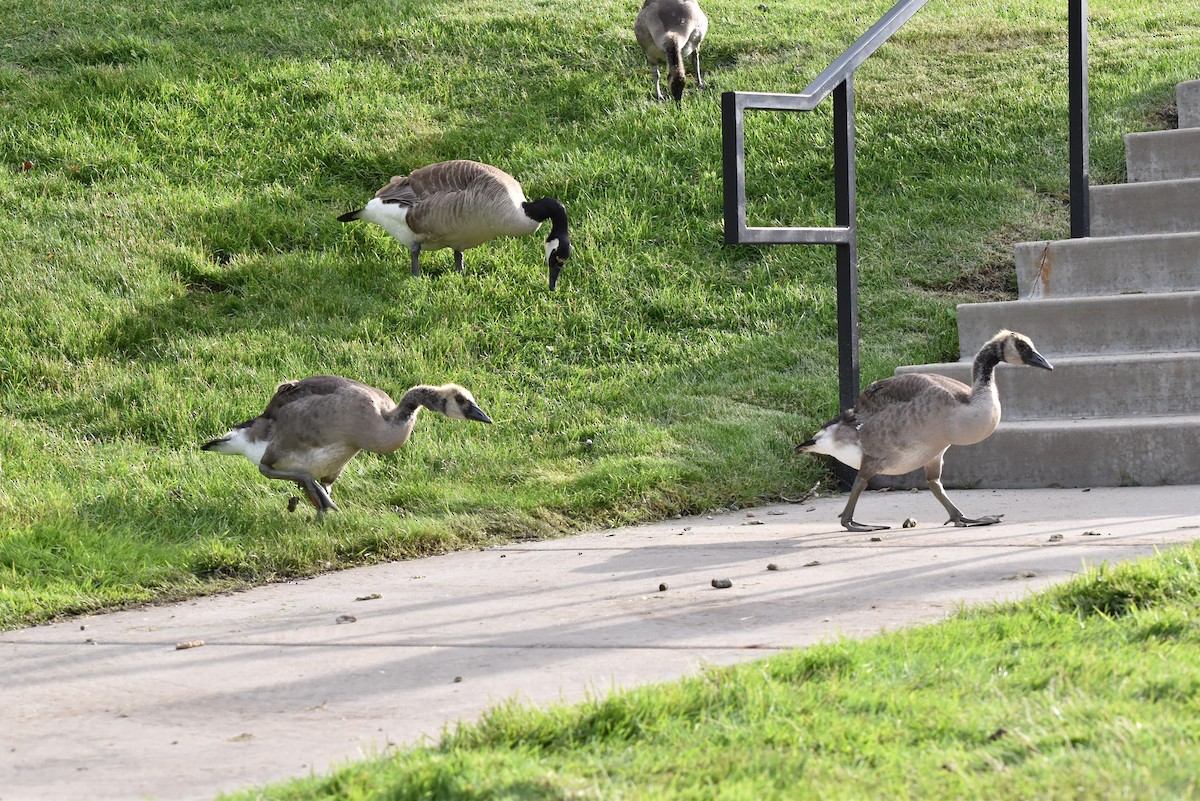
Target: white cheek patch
(391,217)
(551,246)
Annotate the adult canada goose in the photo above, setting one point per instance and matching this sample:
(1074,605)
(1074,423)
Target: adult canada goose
(669,31)
(908,421)
(313,427)
(461,204)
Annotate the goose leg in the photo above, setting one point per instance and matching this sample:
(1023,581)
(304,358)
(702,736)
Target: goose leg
(848,520)
(657,82)
(458,260)
(317,495)
(696,66)
(933,474)
(415,250)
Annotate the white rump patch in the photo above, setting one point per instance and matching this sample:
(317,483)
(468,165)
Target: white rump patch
(391,217)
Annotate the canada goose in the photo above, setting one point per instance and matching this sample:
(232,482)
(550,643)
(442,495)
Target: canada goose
(313,427)
(906,421)
(461,204)
(669,31)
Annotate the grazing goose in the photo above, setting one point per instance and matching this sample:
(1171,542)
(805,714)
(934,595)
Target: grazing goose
(461,204)
(908,421)
(312,428)
(669,31)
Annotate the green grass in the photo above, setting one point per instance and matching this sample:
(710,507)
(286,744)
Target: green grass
(170,181)
(1089,691)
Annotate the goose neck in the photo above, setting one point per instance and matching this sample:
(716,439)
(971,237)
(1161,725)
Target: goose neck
(984,369)
(548,208)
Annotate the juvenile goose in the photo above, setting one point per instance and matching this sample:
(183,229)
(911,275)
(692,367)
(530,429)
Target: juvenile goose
(313,427)
(669,31)
(461,204)
(908,421)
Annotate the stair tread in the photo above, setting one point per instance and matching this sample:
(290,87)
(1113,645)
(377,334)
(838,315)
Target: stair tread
(1073,360)
(1128,239)
(1181,296)
(1084,423)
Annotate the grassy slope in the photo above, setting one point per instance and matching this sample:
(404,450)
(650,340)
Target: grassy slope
(1088,691)
(172,253)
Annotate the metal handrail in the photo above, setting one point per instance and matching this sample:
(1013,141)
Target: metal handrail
(844,65)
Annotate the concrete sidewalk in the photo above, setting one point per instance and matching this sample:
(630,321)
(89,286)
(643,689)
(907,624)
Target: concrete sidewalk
(107,707)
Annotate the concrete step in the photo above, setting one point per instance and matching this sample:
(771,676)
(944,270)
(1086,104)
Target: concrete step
(1162,155)
(1151,207)
(1094,326)
(1105,452)
(1187,98)
(1091,386)
(1109,265)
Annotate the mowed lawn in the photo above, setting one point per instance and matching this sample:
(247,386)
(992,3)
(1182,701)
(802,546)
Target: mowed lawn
(170,182)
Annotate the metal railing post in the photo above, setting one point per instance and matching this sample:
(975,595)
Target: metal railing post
(847,252)
(1077,78)
(846,214)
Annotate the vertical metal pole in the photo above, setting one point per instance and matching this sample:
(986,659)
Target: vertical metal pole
(1077,78)
(847,253)
(733,156)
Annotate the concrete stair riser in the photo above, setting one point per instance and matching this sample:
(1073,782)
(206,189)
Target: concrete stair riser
(1162,155)
(1144,384)
(1073,453)
(1154,207)
(1187,96)
(1088,326)
(1109,266)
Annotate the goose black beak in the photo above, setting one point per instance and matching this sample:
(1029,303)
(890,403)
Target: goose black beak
(1036,360)
(558,250)
(556,265)
(477,414)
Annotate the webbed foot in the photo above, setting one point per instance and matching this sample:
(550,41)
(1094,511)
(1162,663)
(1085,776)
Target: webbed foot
(962,522)
(853,525)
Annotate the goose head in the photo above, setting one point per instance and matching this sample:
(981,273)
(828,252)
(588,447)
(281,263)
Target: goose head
(1018,349)
(558,243)
(677,83)
(457,403)
(558,250)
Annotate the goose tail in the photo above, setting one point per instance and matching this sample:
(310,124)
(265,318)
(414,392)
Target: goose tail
(350,216)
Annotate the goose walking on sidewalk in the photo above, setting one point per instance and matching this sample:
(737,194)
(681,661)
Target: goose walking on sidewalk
(909,421)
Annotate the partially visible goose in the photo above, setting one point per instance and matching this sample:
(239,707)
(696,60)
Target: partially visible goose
(908,421)
(313,427)
(461,204)
(669,31)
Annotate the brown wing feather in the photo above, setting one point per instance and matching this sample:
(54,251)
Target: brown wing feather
(896,414)
(461,204)
(904,388)
(291,392)
(400,190)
